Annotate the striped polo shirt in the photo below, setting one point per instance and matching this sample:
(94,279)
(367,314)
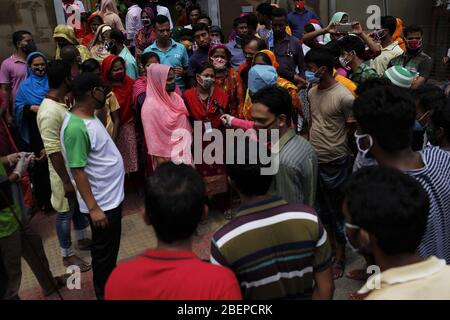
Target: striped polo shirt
(435,179)
(274,248)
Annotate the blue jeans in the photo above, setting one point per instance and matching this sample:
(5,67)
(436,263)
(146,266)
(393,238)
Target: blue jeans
(63,226)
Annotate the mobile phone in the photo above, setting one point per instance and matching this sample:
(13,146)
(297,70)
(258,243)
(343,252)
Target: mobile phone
(344,27)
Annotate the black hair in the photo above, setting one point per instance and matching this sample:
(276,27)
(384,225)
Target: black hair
(185,32)
(265,58)
(194,8)
(90,65)
(200,27)
(147,56)
(69,53)
(18,36)
(245,170)
(353,43)
(118,36)
(160,19)
(390,23)
(321,57)
(175,198)
(279,13)
(399,221)
(441,118)
(265,9)
(203,67)
(412,29)
(262,45)
(252,20)
(181,4)
(388,114)
(429,96)
(83,83)
(309,28)
(57,72)
(372,84)
(238,21)
(205,16)
(277,99)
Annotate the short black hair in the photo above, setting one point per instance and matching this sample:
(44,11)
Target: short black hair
(321,57)
(175,198)
(279,13)
(205,16)
(57,72)
(245,170)
(160,19)
(238,21)
(262,45)
(277,99)
(199,27)
(147,56)
(18,36)
(83,83)
(412,29)
(441,118)
(118,36)
(203,67)
(429,96)
(399,221)
(353,43)
(194,8)
(390,23)
(265,58)
(372,84)
(265,9)
(252,20)
(90,65)
(69,53)
(388,114)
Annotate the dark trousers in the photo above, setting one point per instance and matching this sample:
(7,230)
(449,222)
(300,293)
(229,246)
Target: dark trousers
(25,243)
(40,178)
(105,249)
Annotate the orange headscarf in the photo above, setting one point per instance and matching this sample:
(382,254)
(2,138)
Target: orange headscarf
(397,36)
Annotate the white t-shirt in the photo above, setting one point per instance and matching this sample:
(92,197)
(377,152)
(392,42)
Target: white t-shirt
(88,145)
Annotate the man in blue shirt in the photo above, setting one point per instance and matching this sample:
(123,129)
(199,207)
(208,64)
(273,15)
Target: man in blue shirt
(299,18)
(235,46)
(170,53)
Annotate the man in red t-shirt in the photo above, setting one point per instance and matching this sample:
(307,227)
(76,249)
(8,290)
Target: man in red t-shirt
(175,204)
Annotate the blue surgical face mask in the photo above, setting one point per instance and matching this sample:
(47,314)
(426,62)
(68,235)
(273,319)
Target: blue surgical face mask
(311,77)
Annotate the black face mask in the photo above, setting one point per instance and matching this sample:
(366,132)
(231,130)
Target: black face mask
(30,47)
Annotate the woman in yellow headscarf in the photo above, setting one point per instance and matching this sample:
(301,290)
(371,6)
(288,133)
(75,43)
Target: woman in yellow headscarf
(65,35)
(98,49)
(267,57)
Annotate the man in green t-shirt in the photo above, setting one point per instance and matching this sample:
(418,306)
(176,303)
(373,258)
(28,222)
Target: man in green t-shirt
(16,242)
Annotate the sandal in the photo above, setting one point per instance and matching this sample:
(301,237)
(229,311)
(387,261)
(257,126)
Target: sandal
(338,269)
(358,275)
(76,261)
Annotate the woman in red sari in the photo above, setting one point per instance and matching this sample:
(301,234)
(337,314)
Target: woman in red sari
(94,22)
(226,76)
(113,74)
(206,102)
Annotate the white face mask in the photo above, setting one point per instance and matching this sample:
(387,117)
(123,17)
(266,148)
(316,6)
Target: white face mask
(343,62)
(358,140)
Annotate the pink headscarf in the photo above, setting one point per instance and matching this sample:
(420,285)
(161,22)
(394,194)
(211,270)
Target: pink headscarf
(162,114)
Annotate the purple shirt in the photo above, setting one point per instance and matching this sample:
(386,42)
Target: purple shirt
(12,72)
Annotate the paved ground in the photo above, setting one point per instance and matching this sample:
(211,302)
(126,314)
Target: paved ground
(136,237)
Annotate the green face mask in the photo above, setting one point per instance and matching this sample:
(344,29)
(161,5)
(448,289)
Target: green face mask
(170,87)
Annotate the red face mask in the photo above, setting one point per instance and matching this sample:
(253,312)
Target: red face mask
(118,75)
(414,44)
(300,5)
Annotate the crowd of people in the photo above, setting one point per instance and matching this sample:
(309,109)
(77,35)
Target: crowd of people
(363,153)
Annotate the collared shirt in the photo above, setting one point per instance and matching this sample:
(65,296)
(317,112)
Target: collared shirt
(289,53)
(363,73)
(133,23)
(237,54)
(175,56)
(12,72)
(298,20)
(130,63)
(296,179)
(50,119)
(419,64)
(274,248)
(381,63)
(426,280)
